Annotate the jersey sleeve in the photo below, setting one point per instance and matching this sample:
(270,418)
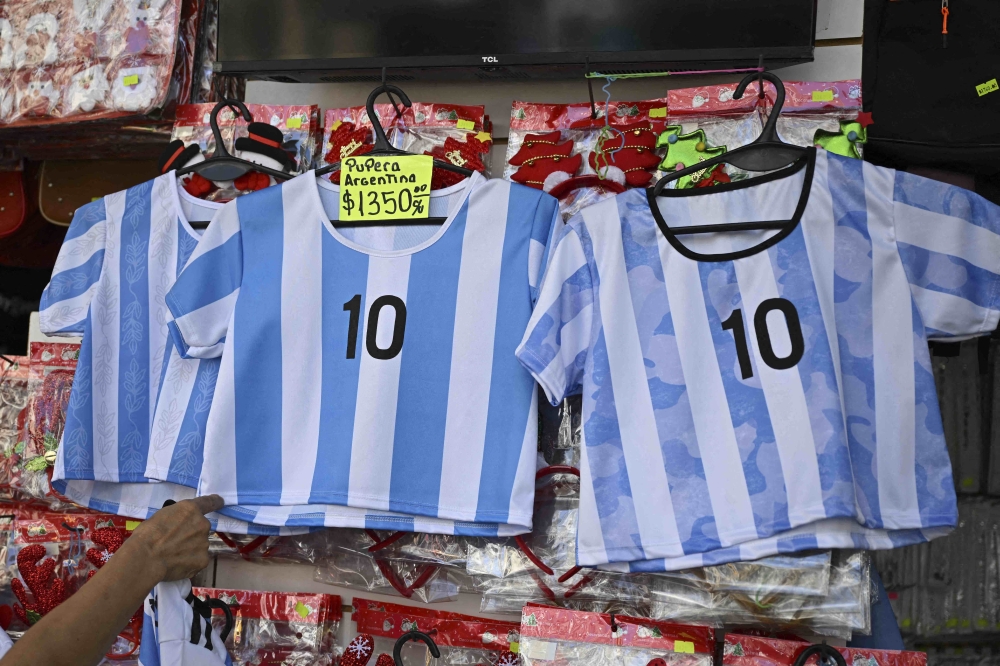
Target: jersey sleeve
(554,347)
(948,239)
(202,300)
(543,228)
(66,299)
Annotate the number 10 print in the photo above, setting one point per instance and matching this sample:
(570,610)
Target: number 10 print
(353,306)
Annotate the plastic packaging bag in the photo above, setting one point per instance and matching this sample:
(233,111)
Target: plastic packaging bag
(14,394)
(561,149)
(278,627)
(51,371)
(463,640)
(426,583)
(92,58)
(459,134)
(755,651)
(561,637)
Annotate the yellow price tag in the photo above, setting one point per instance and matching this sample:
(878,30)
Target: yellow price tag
(684,647)
(395,187)
(659,112)
(515,647)
(294,122)
(465,124)
(130,525)
(302,609)
(130,80)
(988,87)
(822,95)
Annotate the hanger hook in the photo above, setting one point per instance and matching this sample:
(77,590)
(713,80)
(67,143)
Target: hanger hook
(240,109)
(413,635)
(769,133)
(824,651)
(381,142)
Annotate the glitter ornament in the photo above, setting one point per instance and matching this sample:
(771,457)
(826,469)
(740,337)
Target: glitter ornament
(39,577)
(384,660)
(508,658)
(359,651)
(845,142)
(631,151)
(466,154)
(541,156)
(346,141)
(685,150)
(110,539)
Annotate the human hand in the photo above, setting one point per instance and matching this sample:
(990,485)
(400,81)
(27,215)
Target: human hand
(176,538)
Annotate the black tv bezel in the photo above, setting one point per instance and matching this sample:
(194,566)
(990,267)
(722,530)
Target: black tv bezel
(508,66)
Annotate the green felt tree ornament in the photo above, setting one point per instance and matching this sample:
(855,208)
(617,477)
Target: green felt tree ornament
(684,150)
(845,142)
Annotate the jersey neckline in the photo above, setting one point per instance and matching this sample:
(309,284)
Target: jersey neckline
(180,193)
(465,187)
(808,162)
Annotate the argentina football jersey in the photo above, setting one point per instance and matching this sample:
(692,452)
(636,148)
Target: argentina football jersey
(120,256)
(367,374)
(757,392)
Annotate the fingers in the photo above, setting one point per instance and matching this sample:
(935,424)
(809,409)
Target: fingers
(208,503)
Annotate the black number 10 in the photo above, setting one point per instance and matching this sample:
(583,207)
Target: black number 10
(735,324)
(353,306)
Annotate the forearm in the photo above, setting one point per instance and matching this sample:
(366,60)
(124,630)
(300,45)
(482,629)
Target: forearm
(83,628)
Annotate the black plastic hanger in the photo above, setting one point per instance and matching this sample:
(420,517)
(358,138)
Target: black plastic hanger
(222,165)
(413,636)
(765,153)
(383,147)
(825,652)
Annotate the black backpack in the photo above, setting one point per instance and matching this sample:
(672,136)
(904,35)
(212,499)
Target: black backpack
(933,106)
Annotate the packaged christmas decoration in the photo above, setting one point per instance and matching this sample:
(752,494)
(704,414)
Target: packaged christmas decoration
(824,114)
(426,583)
(51,370)
(14,393)
(581,159)
(743,650)
(561,637)
(704,122)
(291,148)
(52,554)
(293,629)
(453,133)
(86,59)
(463,640)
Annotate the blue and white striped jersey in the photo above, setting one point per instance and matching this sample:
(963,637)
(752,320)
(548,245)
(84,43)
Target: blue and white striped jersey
(119,258)
(368,368)
(737,386)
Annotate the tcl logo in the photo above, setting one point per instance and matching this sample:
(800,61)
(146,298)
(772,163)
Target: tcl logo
(490,59)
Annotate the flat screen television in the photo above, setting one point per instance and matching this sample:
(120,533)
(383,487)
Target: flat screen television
(333,40)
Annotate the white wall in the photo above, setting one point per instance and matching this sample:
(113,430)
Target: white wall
(836,19)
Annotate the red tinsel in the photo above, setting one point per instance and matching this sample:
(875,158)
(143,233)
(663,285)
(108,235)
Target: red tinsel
(48,590)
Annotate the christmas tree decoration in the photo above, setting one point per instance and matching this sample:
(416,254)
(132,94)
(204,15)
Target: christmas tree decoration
(845,142)
(629,152)
(384,660)
(544,162)
(359,651)
(685,150)
(39,576)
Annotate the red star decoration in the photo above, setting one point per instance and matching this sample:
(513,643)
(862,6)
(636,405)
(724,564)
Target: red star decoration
(865,118)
